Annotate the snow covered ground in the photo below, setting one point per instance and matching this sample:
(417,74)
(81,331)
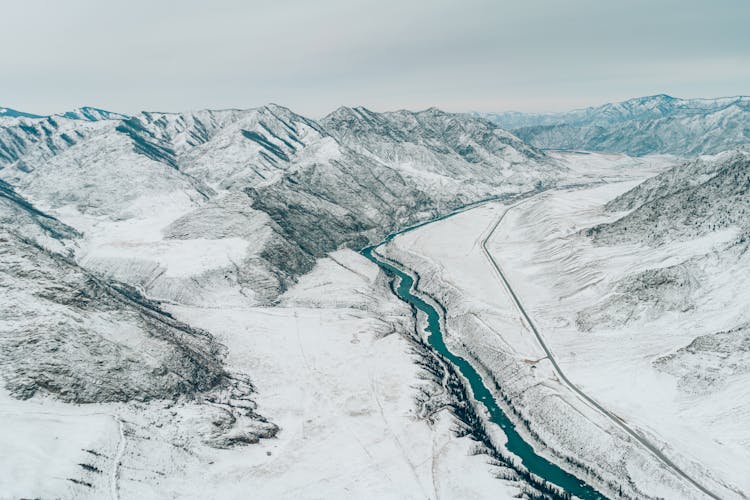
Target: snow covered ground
(549,266)
(214,216)
(330,367)
(336,376)
(611,339)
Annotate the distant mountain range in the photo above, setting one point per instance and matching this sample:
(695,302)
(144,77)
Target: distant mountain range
(645,125)
(658,124)
(84,113)
(12,113)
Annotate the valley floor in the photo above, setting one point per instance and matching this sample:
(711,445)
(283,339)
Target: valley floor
(556,272)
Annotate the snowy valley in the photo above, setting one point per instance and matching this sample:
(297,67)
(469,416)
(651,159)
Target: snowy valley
(187,314)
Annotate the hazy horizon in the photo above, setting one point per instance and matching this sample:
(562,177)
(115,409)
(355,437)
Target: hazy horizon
(482,55)
(60,112)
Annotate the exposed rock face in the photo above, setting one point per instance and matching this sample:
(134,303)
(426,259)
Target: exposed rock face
(654,124)
(433,140)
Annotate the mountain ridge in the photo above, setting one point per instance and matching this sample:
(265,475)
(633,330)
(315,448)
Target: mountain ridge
(12,113)
(404,166)
(639,126)
(690,201)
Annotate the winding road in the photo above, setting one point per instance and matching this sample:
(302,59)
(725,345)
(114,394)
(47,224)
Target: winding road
(651,447)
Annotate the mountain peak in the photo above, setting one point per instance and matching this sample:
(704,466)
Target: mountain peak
(655,97)
(92,114)
(357,113)
(277,108)
(649,102)
(12,113)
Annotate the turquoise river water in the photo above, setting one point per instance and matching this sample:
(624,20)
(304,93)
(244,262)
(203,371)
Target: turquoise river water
(536,464)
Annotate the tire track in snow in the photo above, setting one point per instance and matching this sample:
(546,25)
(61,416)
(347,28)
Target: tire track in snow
(115,476)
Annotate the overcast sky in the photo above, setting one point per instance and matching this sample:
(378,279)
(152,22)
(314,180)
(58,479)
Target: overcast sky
(314,55)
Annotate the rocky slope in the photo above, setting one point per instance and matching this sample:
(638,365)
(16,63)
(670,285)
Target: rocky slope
(692,221)
(708,363)
(689,201)
(432,141)
(69,333)
(654,124)
(696,214)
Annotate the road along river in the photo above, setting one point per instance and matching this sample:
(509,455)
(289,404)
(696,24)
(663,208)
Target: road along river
(536,464)
(651,447)
(405,289)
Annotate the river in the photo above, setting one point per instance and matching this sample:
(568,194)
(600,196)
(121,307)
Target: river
(516,445)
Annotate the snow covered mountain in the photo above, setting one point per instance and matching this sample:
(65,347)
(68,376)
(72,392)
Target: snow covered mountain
(86,330)
(639,291)
(79,337)
(681,242)
(12,113)
(431,140)
(697,214)
(84,113)
(212,207)
(188,274)
(93,114)
(653,124)
(705,196)
(137,247)
(268,188)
